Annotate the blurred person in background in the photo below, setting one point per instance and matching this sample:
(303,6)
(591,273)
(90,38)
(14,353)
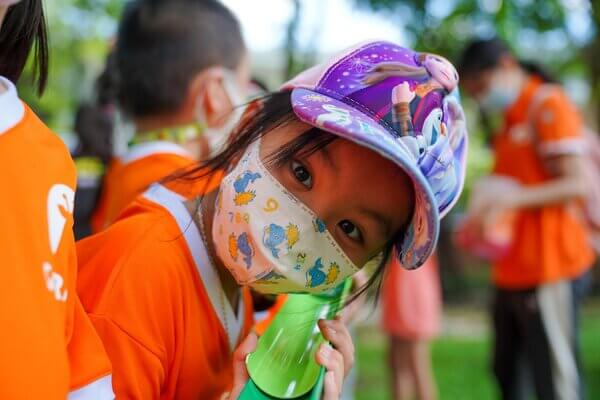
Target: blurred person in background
(94,128)
(182,69)
(540,281)
(95,124)
(49,348)
(411,308)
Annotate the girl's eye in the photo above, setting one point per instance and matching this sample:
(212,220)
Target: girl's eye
(351,230)
(302,174)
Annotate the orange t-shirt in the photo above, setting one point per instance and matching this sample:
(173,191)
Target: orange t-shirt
(155,299)
(550,242)
(45,331)
(130,175)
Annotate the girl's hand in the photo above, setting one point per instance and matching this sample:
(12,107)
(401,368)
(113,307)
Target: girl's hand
(240,372)
(337,360)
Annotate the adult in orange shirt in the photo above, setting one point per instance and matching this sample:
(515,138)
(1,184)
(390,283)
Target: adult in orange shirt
(49,348)
(186,68)
(164,285)
(538,283)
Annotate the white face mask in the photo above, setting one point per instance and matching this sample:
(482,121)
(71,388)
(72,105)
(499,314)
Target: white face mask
(503,91)
(217,137)
(268,239)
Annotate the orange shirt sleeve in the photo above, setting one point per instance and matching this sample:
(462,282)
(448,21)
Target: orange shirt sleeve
(558,126)
(138,316)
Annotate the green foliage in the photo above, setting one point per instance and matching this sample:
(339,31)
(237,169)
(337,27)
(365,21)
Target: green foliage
(461,363)
(80,32)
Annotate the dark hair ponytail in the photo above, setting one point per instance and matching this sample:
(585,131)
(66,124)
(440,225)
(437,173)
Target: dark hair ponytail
(484,54)
(24,26)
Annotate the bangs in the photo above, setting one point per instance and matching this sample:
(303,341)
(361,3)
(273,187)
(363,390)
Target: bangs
(304,145)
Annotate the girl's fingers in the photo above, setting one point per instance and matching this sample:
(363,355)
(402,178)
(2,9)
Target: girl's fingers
(337,334)
(333,362)
(331,391)
(240,373)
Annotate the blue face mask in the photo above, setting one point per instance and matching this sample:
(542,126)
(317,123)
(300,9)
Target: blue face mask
(498,99)
(503,91)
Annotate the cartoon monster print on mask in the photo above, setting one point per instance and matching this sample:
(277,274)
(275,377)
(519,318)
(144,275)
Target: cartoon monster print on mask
(243,195)
(242,245)
(275,235)
(269,278)
(315,275)
(319,225)
(332,273)
(300,260)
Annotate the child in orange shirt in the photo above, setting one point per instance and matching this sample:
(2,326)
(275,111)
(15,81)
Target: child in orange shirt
(49,348)
(317,181)
(538,284)
(185,71)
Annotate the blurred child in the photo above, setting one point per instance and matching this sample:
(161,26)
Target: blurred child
(166,284)
(411,318)
(94,128)
(49,348)
(538,282)
(182,69)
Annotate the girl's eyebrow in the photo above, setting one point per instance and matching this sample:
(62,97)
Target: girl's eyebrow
(380,219)
(326,155)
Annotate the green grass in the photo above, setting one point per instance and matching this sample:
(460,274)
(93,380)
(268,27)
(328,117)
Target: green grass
(461,363)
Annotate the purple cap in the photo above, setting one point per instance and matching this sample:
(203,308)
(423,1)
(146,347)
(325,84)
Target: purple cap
(405,106)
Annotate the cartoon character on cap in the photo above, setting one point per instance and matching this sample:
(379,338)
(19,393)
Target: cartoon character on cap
(434,72)
(416,113)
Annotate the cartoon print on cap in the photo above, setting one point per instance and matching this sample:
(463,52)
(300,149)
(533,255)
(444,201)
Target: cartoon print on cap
(243,195)
(335,115)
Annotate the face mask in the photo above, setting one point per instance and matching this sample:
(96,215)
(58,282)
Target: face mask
(268,239)
(217,137)
(503,91)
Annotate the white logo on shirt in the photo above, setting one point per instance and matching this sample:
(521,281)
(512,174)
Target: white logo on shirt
(60,201)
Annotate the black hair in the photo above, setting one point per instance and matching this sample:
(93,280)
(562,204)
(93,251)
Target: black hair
(263,116)
(24,27)
(106,84)
(162,45)
(484,54)
(94,127)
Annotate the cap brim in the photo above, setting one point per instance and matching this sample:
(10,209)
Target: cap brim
(341,119)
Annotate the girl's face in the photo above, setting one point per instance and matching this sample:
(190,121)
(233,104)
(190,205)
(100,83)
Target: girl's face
(363,198)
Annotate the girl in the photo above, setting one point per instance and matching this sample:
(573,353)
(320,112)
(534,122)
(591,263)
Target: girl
(47,332)
(277,211)
(411,318)
(538,282)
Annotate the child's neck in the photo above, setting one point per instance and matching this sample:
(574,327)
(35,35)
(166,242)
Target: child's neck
(149,124)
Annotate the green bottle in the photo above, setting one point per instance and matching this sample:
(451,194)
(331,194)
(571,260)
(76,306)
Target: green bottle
(283,365)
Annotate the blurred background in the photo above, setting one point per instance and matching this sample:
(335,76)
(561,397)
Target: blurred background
(286,36)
